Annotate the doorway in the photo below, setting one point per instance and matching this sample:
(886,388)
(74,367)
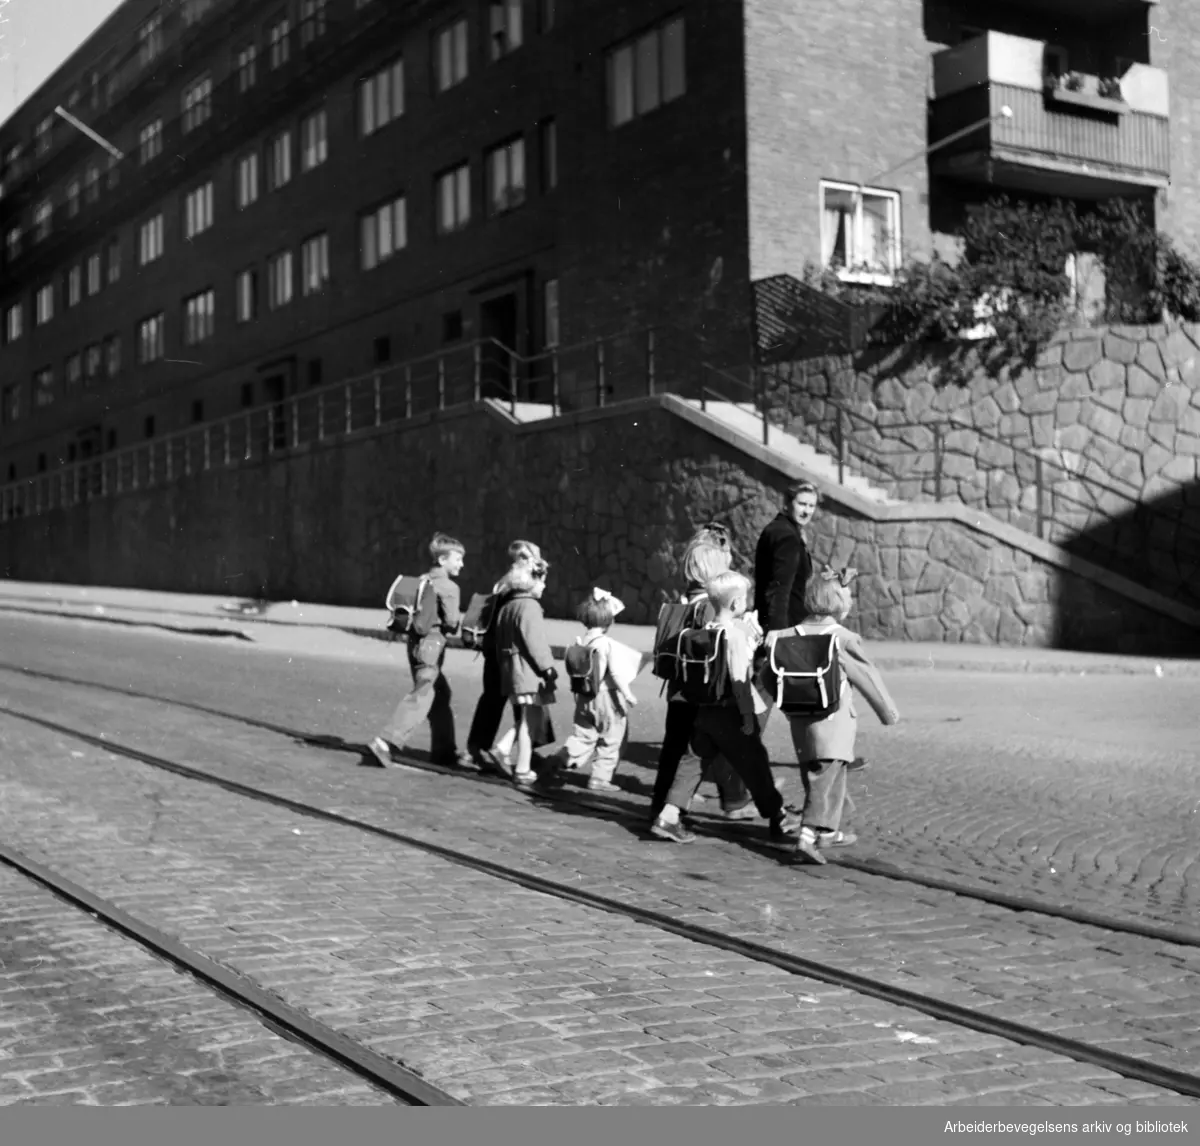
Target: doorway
(499,322)
(274,390)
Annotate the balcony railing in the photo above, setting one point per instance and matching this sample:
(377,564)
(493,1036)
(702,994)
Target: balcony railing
(1068,134)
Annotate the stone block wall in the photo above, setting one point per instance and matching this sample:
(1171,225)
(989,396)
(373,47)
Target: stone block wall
(1113,415)
(611,498)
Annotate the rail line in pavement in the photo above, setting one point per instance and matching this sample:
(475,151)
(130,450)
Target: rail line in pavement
(1181,1082)
(1018,903)
(272,1011)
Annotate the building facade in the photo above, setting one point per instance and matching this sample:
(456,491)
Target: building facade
(309,190)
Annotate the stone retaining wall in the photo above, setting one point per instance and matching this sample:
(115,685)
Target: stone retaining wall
(610,498)
(1113,414)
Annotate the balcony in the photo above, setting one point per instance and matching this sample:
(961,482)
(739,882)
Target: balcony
(1070,135)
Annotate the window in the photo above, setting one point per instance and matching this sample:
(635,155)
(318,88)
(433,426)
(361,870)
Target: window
(12,244)
(93,274)
(112,355)
(312,20)
(13,322)
(150,240)
(43,213)
(72,198)
(12,410)
(454,199)
(280,43)
(197,103)
(114,262)
(381,98)
(548,139)
(151,333)
(199,313)
(452,326)
(74,285)
(504,27)
(92,361)
(280,170)
(246,291)
(150,40)
(383,232)
(73,374)
(545,15)
(314,372)
(860,231)
(247,68)
(314,264)
(43,305)
(91,184)
(506,176)
(198,211)
(43,135)
(43,387)
(114,171)
(195,10)
(645,73)
(314,145)
(94,84)
(450,59)
(150,142)
(550,312)
(279,280)
(247,180)
(382,350)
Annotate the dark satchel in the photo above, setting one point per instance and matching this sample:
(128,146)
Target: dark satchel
(803,673)
(481,611)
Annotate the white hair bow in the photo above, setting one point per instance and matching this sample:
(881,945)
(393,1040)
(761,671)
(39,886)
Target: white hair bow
(599,594)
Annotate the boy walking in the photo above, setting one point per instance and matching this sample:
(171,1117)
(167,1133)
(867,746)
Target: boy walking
(435,620)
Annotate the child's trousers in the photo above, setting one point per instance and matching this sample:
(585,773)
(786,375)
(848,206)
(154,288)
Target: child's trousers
(429,700)
(587,742)
(824,794)
(719,732)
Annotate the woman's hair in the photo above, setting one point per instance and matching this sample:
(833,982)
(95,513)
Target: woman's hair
(796,488)
(595,614)
(523,553)
(725,587)
(826,597)
(708,553)
(521,578)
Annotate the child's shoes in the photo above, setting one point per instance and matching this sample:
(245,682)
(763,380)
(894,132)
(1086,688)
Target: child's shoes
(595,784)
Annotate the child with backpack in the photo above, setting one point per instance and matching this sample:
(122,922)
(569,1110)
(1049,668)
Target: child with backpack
(489,711)
(811,672)
(427,614)
(716,675)
(601,685)
(527,672)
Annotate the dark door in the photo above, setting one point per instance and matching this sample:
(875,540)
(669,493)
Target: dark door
(498,327)
(274,388)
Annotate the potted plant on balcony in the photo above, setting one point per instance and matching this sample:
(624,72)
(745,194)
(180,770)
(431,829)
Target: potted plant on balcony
(1109,87)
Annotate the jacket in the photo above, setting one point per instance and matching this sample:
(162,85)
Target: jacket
(833,737)
(521,647)
(782,567)
(449,599)
(500,593)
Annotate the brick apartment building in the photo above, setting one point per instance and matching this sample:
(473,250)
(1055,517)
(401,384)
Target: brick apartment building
(312,189)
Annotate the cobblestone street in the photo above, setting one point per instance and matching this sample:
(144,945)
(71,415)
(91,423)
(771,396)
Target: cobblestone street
(502,995)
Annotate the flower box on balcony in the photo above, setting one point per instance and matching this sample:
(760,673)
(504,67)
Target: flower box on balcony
(1093,101)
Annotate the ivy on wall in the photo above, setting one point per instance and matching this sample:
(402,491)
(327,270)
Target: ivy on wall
(1009,290)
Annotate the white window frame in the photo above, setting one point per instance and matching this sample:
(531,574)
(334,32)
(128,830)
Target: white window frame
(75,285)
(247,68)
(152,338)
(12,244)
(453,191)
(383,232)
(43,387)
(91,184)
(150,40)
(247,180)
(246,295)
(14,319)
(281,280)
(112,355)
(506,32)
(199,317)
(73,371)
(314,140)
(279,163)
(506,176)
(95,279)
(314,264)
(197,103)
(198,210)
(43,305)
(43,135)
(856,271)
(150,240)
(150,142)
(113,260)
(381,98)
(279,41)
(43,219)
(73,198)
(647,72)
(451,60)
(312,21)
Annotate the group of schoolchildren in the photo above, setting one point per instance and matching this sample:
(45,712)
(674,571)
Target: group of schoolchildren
(723,678)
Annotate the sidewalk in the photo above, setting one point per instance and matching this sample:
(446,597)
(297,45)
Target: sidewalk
(201,615)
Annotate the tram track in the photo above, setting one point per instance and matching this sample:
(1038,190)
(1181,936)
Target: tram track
(1167,1078)
(1018,903)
